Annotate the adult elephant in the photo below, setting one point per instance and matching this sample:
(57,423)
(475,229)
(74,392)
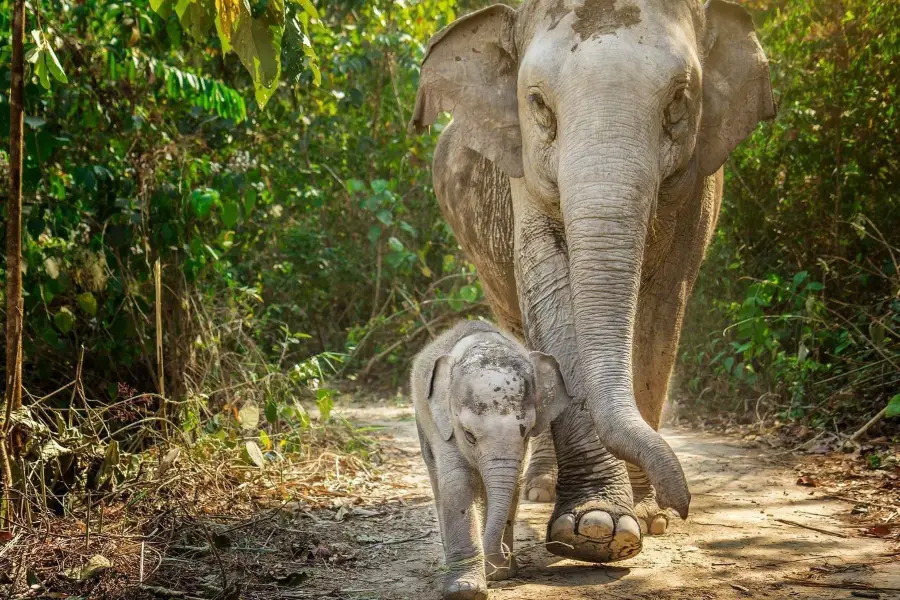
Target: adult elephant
(582,176)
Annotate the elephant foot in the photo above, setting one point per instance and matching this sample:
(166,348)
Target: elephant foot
(465,585)
(499,568)
(653,519)
(541,487)
(596,531)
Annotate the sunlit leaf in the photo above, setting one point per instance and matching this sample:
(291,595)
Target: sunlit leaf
(40,69)
(309,8)
(254,454)
(64,319)
(893,407)
(88,303)
(249,415)
(54,66)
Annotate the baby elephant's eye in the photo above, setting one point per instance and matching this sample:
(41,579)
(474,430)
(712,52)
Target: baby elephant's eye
(470,437)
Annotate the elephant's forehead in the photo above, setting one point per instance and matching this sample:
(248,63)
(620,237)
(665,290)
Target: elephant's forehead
(591,18)
(496,390)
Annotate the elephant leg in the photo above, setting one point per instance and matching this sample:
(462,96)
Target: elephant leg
(540,477)
(653,519)
(455,492)
(593,518)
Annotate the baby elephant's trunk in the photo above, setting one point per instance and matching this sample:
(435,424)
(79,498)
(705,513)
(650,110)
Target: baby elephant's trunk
(501,479)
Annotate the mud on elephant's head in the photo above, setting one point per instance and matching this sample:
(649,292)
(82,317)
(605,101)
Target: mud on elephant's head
(491,397)
(603,112)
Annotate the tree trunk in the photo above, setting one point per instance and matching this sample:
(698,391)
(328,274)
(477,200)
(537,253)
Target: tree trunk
(14,307)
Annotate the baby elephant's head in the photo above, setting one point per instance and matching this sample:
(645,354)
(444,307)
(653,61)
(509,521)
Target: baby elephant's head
(491,396)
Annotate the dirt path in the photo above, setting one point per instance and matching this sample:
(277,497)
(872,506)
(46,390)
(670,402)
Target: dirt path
(732,546)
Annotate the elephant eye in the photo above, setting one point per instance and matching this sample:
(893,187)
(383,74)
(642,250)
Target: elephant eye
(470,437)
(543,116)
(678,107)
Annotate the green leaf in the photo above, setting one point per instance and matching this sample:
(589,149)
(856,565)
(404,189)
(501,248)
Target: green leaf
(271,412)
(230,214)
(40,69)
(395,244)
(64,319)
(385,216)
(257,42)
(202,201)
(325,403)
(265,440)
(469,293)
(55,67)
(374,233)
(799,278)
(317,75)
(87,303)
(309,8)
(249,201)
(893,407)
(196,17)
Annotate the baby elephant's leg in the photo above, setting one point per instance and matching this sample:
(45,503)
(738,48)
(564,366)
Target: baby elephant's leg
(502,565)
(454,495)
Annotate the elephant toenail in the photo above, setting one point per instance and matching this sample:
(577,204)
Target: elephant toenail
(596,525)
(627,525)
(659,525)
(562,527)
(643,524)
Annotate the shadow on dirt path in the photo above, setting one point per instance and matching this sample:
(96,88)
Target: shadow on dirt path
(732,545)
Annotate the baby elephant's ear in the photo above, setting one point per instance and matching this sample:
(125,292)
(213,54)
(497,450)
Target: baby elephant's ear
(553,395)
(439,396)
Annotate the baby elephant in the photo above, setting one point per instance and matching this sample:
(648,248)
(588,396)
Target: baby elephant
(479,397)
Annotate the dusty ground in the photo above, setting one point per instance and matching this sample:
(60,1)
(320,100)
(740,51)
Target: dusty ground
(342,526)
(732,545)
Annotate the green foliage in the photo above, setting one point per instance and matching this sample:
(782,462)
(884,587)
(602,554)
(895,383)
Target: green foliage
(295,241)
(803,270)
(254,31)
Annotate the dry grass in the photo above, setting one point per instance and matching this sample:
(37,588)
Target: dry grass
(177,517)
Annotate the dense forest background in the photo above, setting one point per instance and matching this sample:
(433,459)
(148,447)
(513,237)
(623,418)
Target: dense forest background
(301,245)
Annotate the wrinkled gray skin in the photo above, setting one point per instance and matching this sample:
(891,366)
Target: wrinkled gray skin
(582,175)
(479,398)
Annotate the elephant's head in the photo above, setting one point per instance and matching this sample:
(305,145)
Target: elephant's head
(599,111)
(490,397)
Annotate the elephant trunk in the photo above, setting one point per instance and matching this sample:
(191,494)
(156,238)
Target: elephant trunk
(501,479)
(608,189)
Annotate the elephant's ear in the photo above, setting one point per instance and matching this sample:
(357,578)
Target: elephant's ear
(439,395)
(553,395)
(737,92)
(470,70)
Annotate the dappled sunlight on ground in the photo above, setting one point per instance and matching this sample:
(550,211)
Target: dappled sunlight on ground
(737,541)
